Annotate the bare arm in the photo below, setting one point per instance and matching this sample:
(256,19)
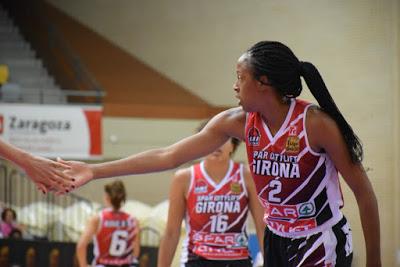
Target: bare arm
(136,242)
(177,207)
(217,132)
(324,133)
(256,209)
(45,173)
(87,235)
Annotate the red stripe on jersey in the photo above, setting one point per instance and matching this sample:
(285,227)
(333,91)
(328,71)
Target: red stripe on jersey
(113,241)
(287,172)
(216,215)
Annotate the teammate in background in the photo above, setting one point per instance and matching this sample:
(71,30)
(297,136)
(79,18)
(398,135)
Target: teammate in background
(45,173)
(295,151)
(214,197)
(115,233)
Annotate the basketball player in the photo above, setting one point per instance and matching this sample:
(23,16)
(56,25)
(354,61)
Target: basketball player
(115,233)
(295,151)
(214,197)
(45,173)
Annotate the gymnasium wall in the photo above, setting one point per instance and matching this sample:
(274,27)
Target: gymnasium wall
(355,45)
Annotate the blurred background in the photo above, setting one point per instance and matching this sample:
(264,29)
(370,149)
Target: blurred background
(148,72)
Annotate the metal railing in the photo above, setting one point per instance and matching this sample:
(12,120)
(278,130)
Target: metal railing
(42,214)
(44,96)
(49,217)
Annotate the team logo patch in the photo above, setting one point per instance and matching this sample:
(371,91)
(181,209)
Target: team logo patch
(292,144)
(241,241)
(236,188)
(1,124)
(306,209)
(253,136)
(292,130)
(200,187)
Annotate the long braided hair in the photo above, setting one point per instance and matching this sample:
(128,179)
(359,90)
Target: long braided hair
(283,69)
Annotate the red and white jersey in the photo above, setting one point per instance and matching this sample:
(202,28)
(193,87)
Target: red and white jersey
(113,241)
(216,215)
(298,187)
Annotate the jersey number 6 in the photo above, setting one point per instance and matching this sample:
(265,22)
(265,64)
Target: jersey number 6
(118,243)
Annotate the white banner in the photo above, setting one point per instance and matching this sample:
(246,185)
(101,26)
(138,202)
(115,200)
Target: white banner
(71,132)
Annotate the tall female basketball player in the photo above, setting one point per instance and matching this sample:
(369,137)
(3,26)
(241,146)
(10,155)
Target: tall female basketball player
(295,151)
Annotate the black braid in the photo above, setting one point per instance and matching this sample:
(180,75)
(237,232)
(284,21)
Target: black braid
(282,68)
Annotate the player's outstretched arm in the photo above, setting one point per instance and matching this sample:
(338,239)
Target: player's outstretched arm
(216,133)
(46,174)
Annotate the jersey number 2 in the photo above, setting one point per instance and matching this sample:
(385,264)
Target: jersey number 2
(276,188)
(118,243)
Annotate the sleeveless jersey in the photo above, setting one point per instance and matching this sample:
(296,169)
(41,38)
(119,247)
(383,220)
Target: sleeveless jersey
(298,187)
(113,241)
(216,216)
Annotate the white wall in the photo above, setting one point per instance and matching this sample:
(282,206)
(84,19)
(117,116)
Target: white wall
(355,45)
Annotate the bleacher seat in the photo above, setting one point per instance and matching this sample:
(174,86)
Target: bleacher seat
(11,93)
(29,80)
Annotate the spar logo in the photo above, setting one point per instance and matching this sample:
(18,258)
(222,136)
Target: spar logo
(306,209)
(253,136)
(1,124)
(241,241)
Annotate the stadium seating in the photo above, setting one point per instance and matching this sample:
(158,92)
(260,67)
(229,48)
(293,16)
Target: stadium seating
(29,80)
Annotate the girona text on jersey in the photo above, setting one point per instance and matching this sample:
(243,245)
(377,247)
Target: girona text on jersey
(275,165)
(218,204)
(216,215)
(298,187)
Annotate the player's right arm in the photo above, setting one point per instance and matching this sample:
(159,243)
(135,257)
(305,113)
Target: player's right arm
(176,212)
(227,124)
(86,237)
(256,209)
(136,241)
(45,173)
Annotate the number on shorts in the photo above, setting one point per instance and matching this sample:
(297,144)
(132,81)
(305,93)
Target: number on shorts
(276,186)
(219,223)
(118,243)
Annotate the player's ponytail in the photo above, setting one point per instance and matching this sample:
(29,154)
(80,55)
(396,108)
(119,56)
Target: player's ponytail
(116,192)
(283,69)
(318,88)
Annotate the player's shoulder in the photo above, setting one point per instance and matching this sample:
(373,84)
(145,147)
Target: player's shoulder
(235,114)
(94,219)
(318,119)
(182,176)
(183,173)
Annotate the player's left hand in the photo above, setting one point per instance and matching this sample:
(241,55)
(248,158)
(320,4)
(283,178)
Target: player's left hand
(81,171)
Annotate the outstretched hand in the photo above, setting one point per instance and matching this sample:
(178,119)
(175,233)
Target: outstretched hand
(81,171)
(48,174)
